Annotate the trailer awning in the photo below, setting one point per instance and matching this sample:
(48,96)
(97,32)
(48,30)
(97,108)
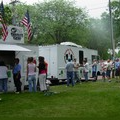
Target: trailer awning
(6,47)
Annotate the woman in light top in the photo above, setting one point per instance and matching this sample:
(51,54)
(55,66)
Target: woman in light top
(3,77)
(31,74)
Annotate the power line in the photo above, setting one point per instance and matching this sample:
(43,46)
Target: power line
(93,6)
(105,3)
(98,8)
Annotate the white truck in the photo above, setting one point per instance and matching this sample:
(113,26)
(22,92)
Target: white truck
(57,56)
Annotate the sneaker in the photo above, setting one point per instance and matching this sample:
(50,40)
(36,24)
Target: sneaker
(109,80)
(17,92)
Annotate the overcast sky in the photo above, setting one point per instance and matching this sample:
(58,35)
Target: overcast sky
(94,7)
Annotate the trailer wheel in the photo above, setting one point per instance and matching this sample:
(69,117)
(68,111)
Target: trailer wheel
(98,73)
(54,81)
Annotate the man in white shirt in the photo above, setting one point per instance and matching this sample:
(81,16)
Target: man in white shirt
(3,77)
(86,69)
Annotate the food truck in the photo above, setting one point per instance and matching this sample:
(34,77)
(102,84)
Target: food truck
(14,47)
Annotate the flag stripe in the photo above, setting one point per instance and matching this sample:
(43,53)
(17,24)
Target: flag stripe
(4,26)
(4,29)
(26,22)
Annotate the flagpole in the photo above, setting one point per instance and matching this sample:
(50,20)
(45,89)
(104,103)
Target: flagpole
(111,32)
(13,2)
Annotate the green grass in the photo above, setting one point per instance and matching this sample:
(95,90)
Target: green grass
(87,101)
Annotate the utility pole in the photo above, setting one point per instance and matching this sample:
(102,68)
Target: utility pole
(14,17)
(111,31)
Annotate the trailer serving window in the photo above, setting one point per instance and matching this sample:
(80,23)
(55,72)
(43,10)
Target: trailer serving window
(8,51)
(8,57)
(95,57)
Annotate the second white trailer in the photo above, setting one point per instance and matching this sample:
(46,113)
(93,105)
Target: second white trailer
(57,56)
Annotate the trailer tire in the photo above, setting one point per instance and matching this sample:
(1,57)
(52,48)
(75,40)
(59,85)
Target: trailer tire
(54,81)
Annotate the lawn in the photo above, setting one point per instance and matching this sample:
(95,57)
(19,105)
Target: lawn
(87,101)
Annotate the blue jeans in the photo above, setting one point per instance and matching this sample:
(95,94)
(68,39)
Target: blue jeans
(32,83)
(70,77)
(3,84)
(86,76)
(76,76)
(108,72)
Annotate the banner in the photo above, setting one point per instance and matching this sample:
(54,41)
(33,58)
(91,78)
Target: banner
(15,35)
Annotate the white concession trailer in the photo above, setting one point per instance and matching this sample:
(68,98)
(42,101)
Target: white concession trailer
(14,47)
(57,56)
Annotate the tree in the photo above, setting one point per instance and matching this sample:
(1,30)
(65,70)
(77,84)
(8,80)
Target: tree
(115,8)
(99,36)
(58,21)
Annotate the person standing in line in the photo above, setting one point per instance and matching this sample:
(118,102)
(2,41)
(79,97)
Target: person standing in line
(46,64)
(94,69)
(76,72)
(3,77)
(108,70)
(85,69)
(117,69)
(17,75)
(31,74)
(42,74)
(103,69)
(70,72)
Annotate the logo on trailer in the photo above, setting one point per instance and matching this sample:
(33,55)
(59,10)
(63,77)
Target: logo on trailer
(16,33)
(68,55)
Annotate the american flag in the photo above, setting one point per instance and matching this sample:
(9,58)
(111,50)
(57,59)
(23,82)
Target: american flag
(4,26)
(26,22)
(2,9)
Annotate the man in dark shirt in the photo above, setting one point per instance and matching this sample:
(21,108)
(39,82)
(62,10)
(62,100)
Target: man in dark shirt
(17,75)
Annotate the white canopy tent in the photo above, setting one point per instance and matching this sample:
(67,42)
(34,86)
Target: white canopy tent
(9,47)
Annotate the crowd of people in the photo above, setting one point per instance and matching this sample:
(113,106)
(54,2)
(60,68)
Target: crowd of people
(72,68)
(31,75)
(72,72)
(110,69)
(106,68)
